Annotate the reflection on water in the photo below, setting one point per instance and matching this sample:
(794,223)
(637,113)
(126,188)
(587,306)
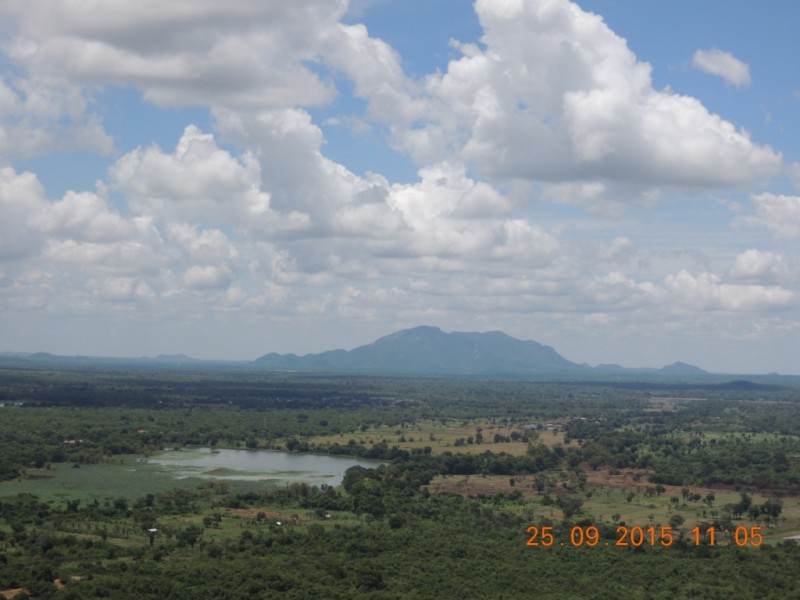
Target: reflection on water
(256,465)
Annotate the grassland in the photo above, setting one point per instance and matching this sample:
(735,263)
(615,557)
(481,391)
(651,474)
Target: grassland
(116,478)
(450,435)
(620,498)
(608,496)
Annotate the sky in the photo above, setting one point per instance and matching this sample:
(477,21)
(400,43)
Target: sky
(618,180)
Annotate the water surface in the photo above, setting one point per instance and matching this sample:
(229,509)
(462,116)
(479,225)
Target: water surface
(134,476)
(256,465)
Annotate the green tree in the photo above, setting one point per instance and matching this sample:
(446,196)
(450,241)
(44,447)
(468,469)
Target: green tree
(569,505)
(772,508)
(675,521)
(190,536)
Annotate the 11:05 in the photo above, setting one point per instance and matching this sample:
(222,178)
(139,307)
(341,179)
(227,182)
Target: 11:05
(742,536)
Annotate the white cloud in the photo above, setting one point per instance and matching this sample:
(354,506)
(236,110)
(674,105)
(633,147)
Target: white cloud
(450,215)
(615,292)
(723,64)
(20,199)
(82,216)
(199,182)
(557,96)
(707,292)
(376,72)
(203,221)
(198,175)
(191,53)
(253,220)
(68,257)
(237,53)
(209,245)
(779,213)
(756,265)
(115,289)
(39,115)
(287,146)
(207,277)
(619,250)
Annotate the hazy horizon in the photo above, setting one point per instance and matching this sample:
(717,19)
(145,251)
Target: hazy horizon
(252,359)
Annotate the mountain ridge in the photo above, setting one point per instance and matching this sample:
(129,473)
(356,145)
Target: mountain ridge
(419,351)
(428,350)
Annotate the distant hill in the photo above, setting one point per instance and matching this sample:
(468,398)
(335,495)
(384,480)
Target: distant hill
(176,359)
(681,369)
(429,350)
(417,351)
(45,360)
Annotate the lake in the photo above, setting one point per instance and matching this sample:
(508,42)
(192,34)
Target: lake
(256,465)
(134,476)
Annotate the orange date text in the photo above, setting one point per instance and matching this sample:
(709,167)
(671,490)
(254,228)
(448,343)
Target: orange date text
(636,536)
(590,536)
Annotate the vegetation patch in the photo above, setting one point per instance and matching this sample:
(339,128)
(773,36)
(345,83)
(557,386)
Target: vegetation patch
(467,468)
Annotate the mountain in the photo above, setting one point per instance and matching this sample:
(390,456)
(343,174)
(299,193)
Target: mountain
(429,350)
(676,369)
(420,350)
(681,369)
(426,350)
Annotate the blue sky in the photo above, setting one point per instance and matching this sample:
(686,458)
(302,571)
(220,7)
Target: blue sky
(620,180)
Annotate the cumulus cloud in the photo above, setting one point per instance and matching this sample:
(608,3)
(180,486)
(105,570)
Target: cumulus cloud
(756,265)
(287,146)
(197,182)
(445,214)
(376,72)
(723,64)
(554,95)
(779,213)
(557,96)
(191,53)
(238,53)
(250,216)
(618,250)
(65,255)
(39,115)
(82,216)
(463,223)
(207,277)
(21,197)
(707,291)
(201,220)
(616,292)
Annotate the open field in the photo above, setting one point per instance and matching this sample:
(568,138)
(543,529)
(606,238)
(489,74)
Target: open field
(621,499)
(450,436)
